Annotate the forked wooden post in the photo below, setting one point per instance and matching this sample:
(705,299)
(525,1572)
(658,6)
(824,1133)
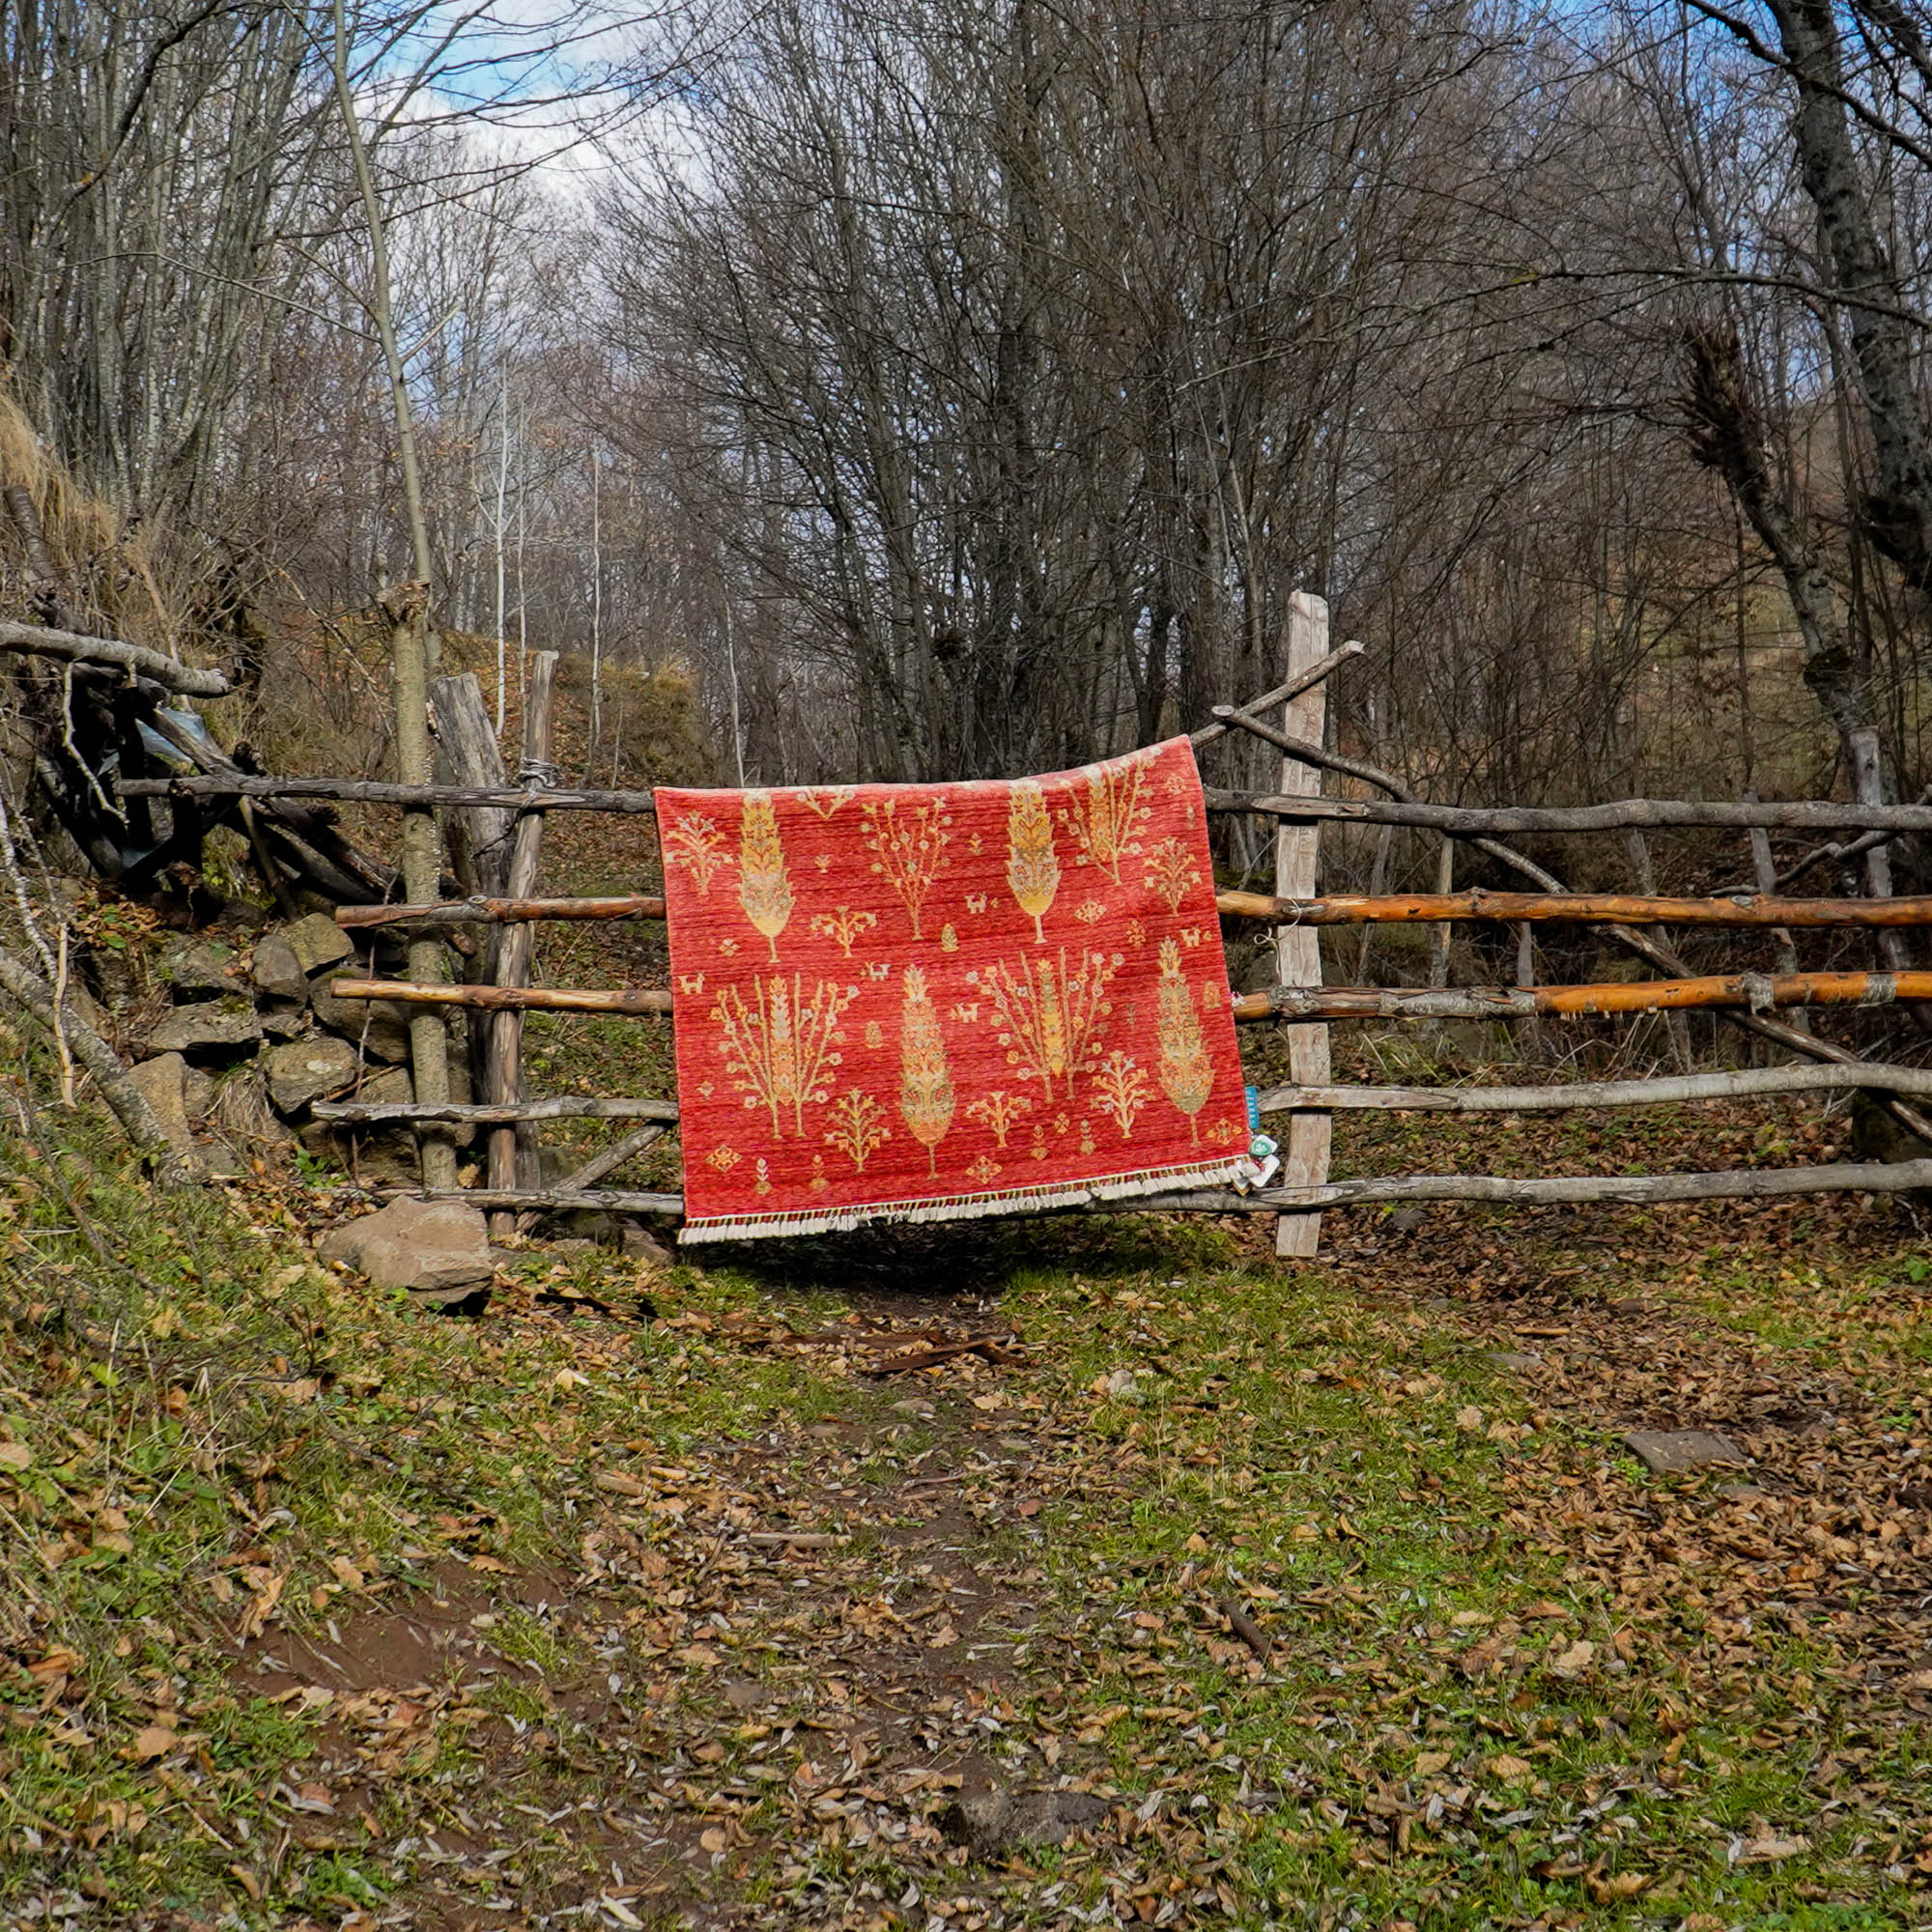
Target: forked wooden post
(1297,951)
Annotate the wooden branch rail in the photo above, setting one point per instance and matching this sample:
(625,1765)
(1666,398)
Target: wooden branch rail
(1647,814)
(1668,1091)
(1628,1190)
(1462,821)
(628,1000)
(508,911)
(1740,909)
(1877,1176)
(1751,990)
(383,791)
(486,1114)
(596,1200)
(1227,717)
(74,649)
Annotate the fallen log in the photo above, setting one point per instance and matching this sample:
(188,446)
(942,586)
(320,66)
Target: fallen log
(1738,909)
(1669,1091)
(567,1107)
(628,1000)
(74,649)
(125,1100)
(1752,991)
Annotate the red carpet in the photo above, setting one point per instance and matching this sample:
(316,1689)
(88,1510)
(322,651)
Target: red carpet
(929,1002)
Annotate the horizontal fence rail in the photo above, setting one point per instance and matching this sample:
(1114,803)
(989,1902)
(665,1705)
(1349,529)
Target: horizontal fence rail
(1739,1183)
(1663,1090)
(502,912)
(1611,1189)
(1753,991)
(1620,815)
(483,1113)
(1646,814)
(630,1001)
(1737,909)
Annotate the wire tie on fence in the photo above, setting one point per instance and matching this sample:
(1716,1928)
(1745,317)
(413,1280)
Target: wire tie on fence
(1757,991)
(539,775)
(1880,990)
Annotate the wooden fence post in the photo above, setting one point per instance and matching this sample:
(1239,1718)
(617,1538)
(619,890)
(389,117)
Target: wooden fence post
(1298,953)
(1765,869)
(429,1037)
(513,958)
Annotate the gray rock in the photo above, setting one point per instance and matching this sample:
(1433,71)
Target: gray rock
(306,1069)
(192,966)
(387,1087)
(639,1244)
(990,1822)
(161,1081)
(437,1249)
(239,918)
(317,942)
(277,972)
(285,1022)
(1670,1452)
(197,1092)
(387,1029)
(218,1026)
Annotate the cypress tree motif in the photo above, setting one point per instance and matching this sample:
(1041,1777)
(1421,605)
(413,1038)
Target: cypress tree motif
(764,887)
(925,1081)
(1186,1072)
(1033,870)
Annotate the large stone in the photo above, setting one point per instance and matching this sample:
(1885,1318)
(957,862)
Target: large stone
(199,966)
(277,972)
(197,1092)
(380,1027)
(317,941)
(435,1248)
(161,1081)
(1671,1452)
(387,1086)
(219,1026)
(308,1070)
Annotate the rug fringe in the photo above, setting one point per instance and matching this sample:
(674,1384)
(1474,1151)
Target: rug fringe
(960,1207)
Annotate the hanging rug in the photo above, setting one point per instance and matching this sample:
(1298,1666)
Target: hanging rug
(922,1003)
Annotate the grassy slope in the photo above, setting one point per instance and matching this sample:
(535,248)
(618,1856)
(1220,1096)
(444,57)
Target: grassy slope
(1514,1680)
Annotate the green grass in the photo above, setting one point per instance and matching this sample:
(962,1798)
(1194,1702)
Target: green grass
(1473,1715)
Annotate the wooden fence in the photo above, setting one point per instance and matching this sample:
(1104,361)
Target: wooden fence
(487,816)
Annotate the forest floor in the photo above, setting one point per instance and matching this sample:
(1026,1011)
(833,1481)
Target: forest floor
(685,1595)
